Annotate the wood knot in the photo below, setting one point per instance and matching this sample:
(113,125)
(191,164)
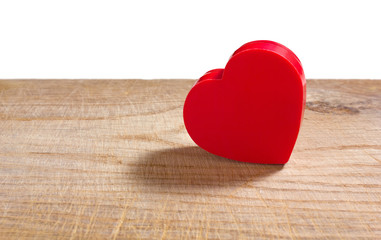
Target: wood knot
(326,107)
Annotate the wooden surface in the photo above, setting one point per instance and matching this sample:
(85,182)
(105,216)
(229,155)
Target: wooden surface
(98,159)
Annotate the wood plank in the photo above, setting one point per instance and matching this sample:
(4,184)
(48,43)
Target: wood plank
(91,159)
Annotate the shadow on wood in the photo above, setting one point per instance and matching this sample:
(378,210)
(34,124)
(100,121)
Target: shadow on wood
(195,167)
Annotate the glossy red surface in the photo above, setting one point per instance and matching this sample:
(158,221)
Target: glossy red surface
(252,110)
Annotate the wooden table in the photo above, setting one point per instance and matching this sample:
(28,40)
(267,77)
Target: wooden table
(95,159)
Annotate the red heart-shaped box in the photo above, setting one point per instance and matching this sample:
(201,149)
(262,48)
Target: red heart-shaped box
(250,111)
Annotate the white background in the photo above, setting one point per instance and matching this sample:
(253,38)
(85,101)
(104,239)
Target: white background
(183,39)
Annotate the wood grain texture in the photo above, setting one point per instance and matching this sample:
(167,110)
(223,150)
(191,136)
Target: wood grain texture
(111,159)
